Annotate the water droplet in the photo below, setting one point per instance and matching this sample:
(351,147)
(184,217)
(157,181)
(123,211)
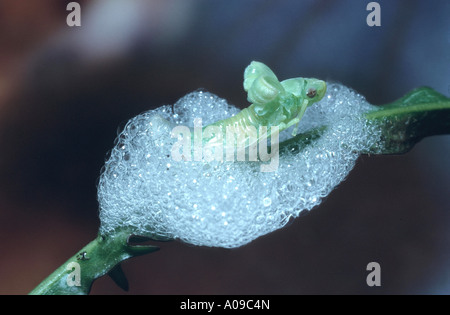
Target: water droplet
(267,202)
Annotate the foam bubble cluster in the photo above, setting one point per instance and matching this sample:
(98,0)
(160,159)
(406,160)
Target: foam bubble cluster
(225,204)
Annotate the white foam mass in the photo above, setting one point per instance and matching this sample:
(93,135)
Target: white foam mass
(225,204)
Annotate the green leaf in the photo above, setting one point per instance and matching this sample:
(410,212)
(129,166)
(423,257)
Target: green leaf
(421,113)
(300,141)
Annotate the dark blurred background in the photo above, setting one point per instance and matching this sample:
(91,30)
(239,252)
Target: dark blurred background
(64,91)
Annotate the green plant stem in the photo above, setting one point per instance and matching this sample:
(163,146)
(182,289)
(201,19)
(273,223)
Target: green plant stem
(100,257)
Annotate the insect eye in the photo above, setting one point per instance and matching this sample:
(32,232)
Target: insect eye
(311,93)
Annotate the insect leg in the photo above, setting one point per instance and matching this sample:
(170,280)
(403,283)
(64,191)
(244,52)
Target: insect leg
(297,119)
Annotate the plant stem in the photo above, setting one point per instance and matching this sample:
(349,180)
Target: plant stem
(101,256)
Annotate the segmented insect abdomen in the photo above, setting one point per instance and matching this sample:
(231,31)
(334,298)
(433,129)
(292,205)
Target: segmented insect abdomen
(244,126)
(245,121)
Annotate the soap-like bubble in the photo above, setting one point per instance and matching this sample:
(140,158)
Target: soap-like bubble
(226,204)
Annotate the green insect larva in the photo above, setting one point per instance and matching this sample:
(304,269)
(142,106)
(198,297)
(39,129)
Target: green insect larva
(274,103)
